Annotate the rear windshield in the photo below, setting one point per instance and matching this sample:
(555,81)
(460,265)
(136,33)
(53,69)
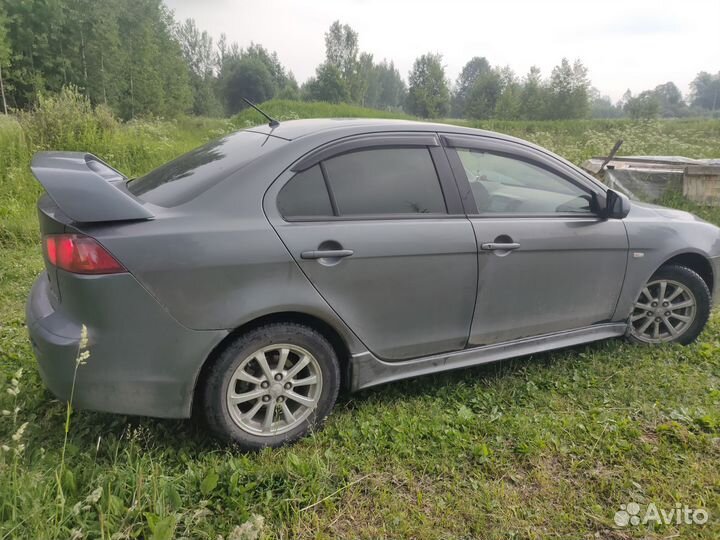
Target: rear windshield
(191,174)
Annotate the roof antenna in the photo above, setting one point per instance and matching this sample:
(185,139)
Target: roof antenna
(272,122)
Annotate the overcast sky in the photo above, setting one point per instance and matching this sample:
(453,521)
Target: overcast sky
(634,44)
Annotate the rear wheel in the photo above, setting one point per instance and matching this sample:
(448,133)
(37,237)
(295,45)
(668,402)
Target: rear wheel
(271,386)
(673,306)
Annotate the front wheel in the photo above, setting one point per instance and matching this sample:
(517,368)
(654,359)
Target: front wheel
(271,386)
(673,306)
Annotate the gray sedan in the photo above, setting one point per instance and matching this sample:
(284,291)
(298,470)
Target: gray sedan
(253,277)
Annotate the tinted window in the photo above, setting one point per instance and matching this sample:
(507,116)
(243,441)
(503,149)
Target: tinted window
(186,177)
(305,195)
(385,181)
(502,184)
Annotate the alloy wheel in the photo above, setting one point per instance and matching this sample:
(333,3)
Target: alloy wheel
(664,310)
(274,389)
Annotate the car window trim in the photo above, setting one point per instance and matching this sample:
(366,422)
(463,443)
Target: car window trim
(328,187)
(451,143)
(592,216)
(371,217)
(365,141)
(441,165)
(445,176)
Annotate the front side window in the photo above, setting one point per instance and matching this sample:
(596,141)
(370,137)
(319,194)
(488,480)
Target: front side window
(385,181)
(502,184)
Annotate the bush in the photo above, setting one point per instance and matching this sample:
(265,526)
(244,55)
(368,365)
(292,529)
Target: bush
(67,121)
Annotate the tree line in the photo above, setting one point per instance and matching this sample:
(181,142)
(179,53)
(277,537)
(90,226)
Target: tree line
(135,58)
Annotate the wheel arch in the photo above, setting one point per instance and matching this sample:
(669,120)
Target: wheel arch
(696,262)
(330,333)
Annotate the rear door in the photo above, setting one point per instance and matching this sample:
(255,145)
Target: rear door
(547,262)
(379,230)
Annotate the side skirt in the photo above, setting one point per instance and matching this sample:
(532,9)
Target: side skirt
(367,370)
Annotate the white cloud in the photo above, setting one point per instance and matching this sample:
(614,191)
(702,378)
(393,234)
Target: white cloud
(634,44)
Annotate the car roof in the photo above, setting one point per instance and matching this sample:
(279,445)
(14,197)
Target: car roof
(295,129)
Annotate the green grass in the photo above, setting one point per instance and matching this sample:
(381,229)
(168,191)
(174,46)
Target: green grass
(541,447)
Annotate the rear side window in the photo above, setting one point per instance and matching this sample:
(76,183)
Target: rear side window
(305,195)
(385,181)
(186,177)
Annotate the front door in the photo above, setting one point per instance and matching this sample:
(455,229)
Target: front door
(373,231)
(546,261)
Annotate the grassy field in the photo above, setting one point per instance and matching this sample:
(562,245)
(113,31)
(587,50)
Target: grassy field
(544,447)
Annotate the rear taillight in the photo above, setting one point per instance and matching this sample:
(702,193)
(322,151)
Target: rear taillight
(80,254)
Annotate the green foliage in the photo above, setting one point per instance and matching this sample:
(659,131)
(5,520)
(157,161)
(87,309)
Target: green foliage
(471,72)
(68,120)
(645,106)
(509,105)
(254,73)
(568,91)
(341,58)
(706,91)
(428,93)
(665,100)
(578,140)
(533,97)
(328,85)
(483,96)
(120,54)
(199,54)
(248,78)
(342,78)
(349,76)
(483,92)
(391,88)
(271,60)
(602,107)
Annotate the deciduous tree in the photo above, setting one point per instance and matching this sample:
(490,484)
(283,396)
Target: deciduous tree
(569,90)
(428,92)
(706,91)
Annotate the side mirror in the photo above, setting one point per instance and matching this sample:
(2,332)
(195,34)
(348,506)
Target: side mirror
(617,205)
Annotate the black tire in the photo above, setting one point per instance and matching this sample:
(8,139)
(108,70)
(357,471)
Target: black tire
(214,393)
(690,279)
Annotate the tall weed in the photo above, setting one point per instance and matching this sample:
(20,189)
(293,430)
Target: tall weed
(67,121)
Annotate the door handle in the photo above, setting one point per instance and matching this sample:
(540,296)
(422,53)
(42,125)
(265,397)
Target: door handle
(326,254)
(499,246)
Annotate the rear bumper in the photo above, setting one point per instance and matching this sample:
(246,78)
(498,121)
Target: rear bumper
(142,361)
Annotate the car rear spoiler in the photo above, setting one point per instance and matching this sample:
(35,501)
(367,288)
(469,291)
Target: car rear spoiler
(86,188)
